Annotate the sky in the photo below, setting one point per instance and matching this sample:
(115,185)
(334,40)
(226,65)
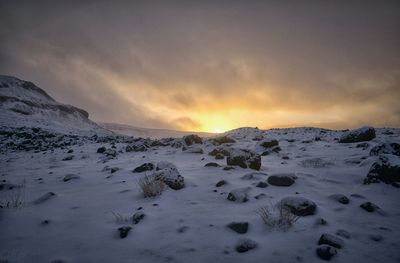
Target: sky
(211,65)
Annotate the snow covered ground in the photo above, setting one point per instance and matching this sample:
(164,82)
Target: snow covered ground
(79,222)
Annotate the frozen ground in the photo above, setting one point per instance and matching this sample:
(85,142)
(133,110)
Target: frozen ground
(190,225)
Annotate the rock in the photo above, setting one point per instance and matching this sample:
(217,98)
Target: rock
(245,245)
(268,143)
(244,158)
(239,227)
(343,233)
(331,240)
(358,135)
(340,198)
(192,139)
(363,145)
(68,158)
(101,149)
(326,252)
(137,217)
(369,207)
(228,168)
(110,152)
(223,140)
(219,156)
(261,184)
(144,167)
(281,179)
(240,195)
(224,151)
(110,169)
(386,170)
(299,206)
(197,150)
(8,186)
(123,231)
(221,183)
(386,148)
(253,176)
(169,174)
(375,237)
(69,177)
(212,165)
(321,222)
(44,198)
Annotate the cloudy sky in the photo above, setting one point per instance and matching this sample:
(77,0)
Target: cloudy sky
(211,65)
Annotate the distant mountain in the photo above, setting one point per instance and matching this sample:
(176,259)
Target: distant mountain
(23,104)
(147,132)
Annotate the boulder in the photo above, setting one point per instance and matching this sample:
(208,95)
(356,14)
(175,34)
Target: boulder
(340,198)
(44,198)
(197,150)
(220,151)
(212,165)
(386,170)
(240,195)
(244,158)
(239,227)
(369,207)
(101,149)
(221,183)
(326,252)
(137,217)
(69,177)
(281,179)
(223,139)
(268,143)
(123,231)
(192,139)
(358,135)
(169,174)
(144,167)
(299,206)
(331,240)
(385,148)
(245,245)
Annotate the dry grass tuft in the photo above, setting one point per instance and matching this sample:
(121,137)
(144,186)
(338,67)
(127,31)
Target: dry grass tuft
(277,216)
(150,186)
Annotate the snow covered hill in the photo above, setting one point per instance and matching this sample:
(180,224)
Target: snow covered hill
(23,104)
(147,132)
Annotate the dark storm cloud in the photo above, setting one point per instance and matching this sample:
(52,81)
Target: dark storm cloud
(173,63)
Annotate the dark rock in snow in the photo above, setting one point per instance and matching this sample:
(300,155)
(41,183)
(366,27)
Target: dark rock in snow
(197,150)
(375,237)
(224,151)
(281,179)
(219,156)
(68,158)
(386,170)
(358,135)
(69,177)
(8,186)
(299,206)
(340,198)
(228,168)
(110,152)
(169,174)
(221,183)
(245,245)
(363,145)
(223,140)
(123,231)
(240,195)
(328,239)
(369,207)
(144,167)
(44,198)
(269,143)
(239,227)
(244,158)
(386,148)
(101,149)
(137,217)
(326,252)
(192,139)
(212,165)
(321,222)
(261,184)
